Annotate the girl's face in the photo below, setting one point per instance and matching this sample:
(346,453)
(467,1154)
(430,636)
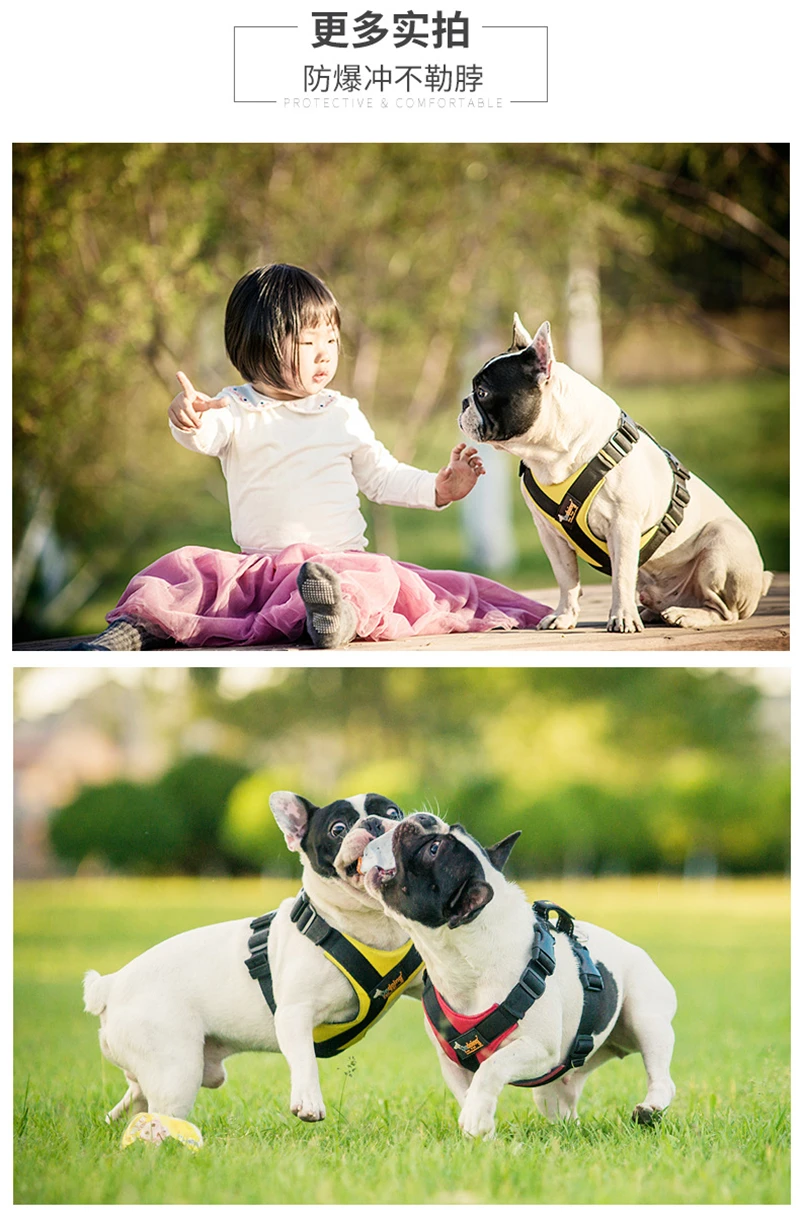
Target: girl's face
(317,360)
(318,357)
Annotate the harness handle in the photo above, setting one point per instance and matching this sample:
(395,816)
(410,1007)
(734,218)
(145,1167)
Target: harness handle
(565,923)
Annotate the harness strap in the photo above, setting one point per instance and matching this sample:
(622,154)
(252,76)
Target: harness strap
(679,499)
(565,512)
(380,988)
(494,1025)
(258,963)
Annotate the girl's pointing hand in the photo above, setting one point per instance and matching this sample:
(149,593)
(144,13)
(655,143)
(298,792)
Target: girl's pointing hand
(188,405)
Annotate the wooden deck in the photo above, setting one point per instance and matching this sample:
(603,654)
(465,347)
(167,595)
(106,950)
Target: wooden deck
(768,629)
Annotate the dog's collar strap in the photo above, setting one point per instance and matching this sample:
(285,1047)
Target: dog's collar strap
(470,1039)
(567,505)
(377,977)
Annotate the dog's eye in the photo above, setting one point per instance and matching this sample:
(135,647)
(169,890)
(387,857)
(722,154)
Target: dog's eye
(392,813)
(480,392)
(338,829)
(432,848)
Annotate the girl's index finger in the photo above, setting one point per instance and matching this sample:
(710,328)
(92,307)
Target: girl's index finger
(186,385)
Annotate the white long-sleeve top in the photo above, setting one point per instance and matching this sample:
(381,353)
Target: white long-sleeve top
(294,469)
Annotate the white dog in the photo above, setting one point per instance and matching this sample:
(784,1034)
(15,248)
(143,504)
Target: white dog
(171,1017)
(509,998)
(600,487)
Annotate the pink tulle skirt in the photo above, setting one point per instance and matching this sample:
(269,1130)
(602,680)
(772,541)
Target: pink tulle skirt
(203,597)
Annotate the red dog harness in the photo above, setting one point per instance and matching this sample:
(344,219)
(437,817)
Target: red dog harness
(470,1039)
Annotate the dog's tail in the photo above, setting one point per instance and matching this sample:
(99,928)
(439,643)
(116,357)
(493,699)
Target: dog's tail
(95,992)
(766,582)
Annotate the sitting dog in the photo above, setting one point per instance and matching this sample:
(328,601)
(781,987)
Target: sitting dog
(601,488)
(508,997)
(170,1017)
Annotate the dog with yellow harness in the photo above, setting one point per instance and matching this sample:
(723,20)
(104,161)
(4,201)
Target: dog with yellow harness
(307,980)
(601,488)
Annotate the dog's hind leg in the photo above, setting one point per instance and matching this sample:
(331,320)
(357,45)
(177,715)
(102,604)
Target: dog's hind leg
(172,1080)
(559,1100)
(728,578)
(133,1101)
(656,1041)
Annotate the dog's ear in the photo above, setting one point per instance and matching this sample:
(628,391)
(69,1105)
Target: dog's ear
(543,348)
(498,854)
(292,813)
(474,896)
(521,337)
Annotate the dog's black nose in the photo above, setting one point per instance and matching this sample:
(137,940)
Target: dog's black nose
(373,825)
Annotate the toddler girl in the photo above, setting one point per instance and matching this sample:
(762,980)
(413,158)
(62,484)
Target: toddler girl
(295,456)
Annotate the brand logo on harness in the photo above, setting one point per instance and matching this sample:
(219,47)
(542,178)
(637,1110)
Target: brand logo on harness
(391,987)
(471,1046)
(569,510)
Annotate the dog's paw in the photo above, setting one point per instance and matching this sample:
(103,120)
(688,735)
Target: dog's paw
(690,617)
(625,622)
(644,1115)
(477,1121)
(566,620)
(308,1107)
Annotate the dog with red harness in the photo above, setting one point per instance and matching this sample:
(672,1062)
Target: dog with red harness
(510,996)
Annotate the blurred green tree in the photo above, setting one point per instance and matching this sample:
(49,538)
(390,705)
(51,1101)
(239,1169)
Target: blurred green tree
(168,826)
(608,769)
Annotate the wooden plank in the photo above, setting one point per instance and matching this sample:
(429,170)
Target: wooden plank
(768,629)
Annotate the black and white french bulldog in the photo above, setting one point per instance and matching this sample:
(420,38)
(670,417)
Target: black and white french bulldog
(474,930)
(709,570)
(170,1017)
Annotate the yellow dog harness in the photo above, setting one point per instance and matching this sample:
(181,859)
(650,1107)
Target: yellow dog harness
(378,978)
(566,505)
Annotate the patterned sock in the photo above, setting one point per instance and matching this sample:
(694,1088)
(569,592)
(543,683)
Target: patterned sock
(331,621)
(120,635)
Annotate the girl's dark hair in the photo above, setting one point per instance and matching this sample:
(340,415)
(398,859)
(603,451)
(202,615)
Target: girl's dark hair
(268,307)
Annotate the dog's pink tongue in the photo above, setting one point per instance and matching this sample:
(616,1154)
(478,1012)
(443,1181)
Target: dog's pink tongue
(379,853)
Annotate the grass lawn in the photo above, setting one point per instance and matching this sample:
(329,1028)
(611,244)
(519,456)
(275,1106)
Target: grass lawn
(391,1135)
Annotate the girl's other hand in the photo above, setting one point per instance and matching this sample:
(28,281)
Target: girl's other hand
(188,406)
(460,475)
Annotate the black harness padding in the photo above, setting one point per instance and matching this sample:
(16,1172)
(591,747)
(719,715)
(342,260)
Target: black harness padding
(567,511)
(531,985)
(341,951)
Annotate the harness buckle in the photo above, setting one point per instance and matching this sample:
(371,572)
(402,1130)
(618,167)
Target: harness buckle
(530,986)
(620,443)
(300,903)
(592,981)
(623,441)
(257,964)
(305,918)
(629,428)
(581,1049)
(542,960)
(311,924)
